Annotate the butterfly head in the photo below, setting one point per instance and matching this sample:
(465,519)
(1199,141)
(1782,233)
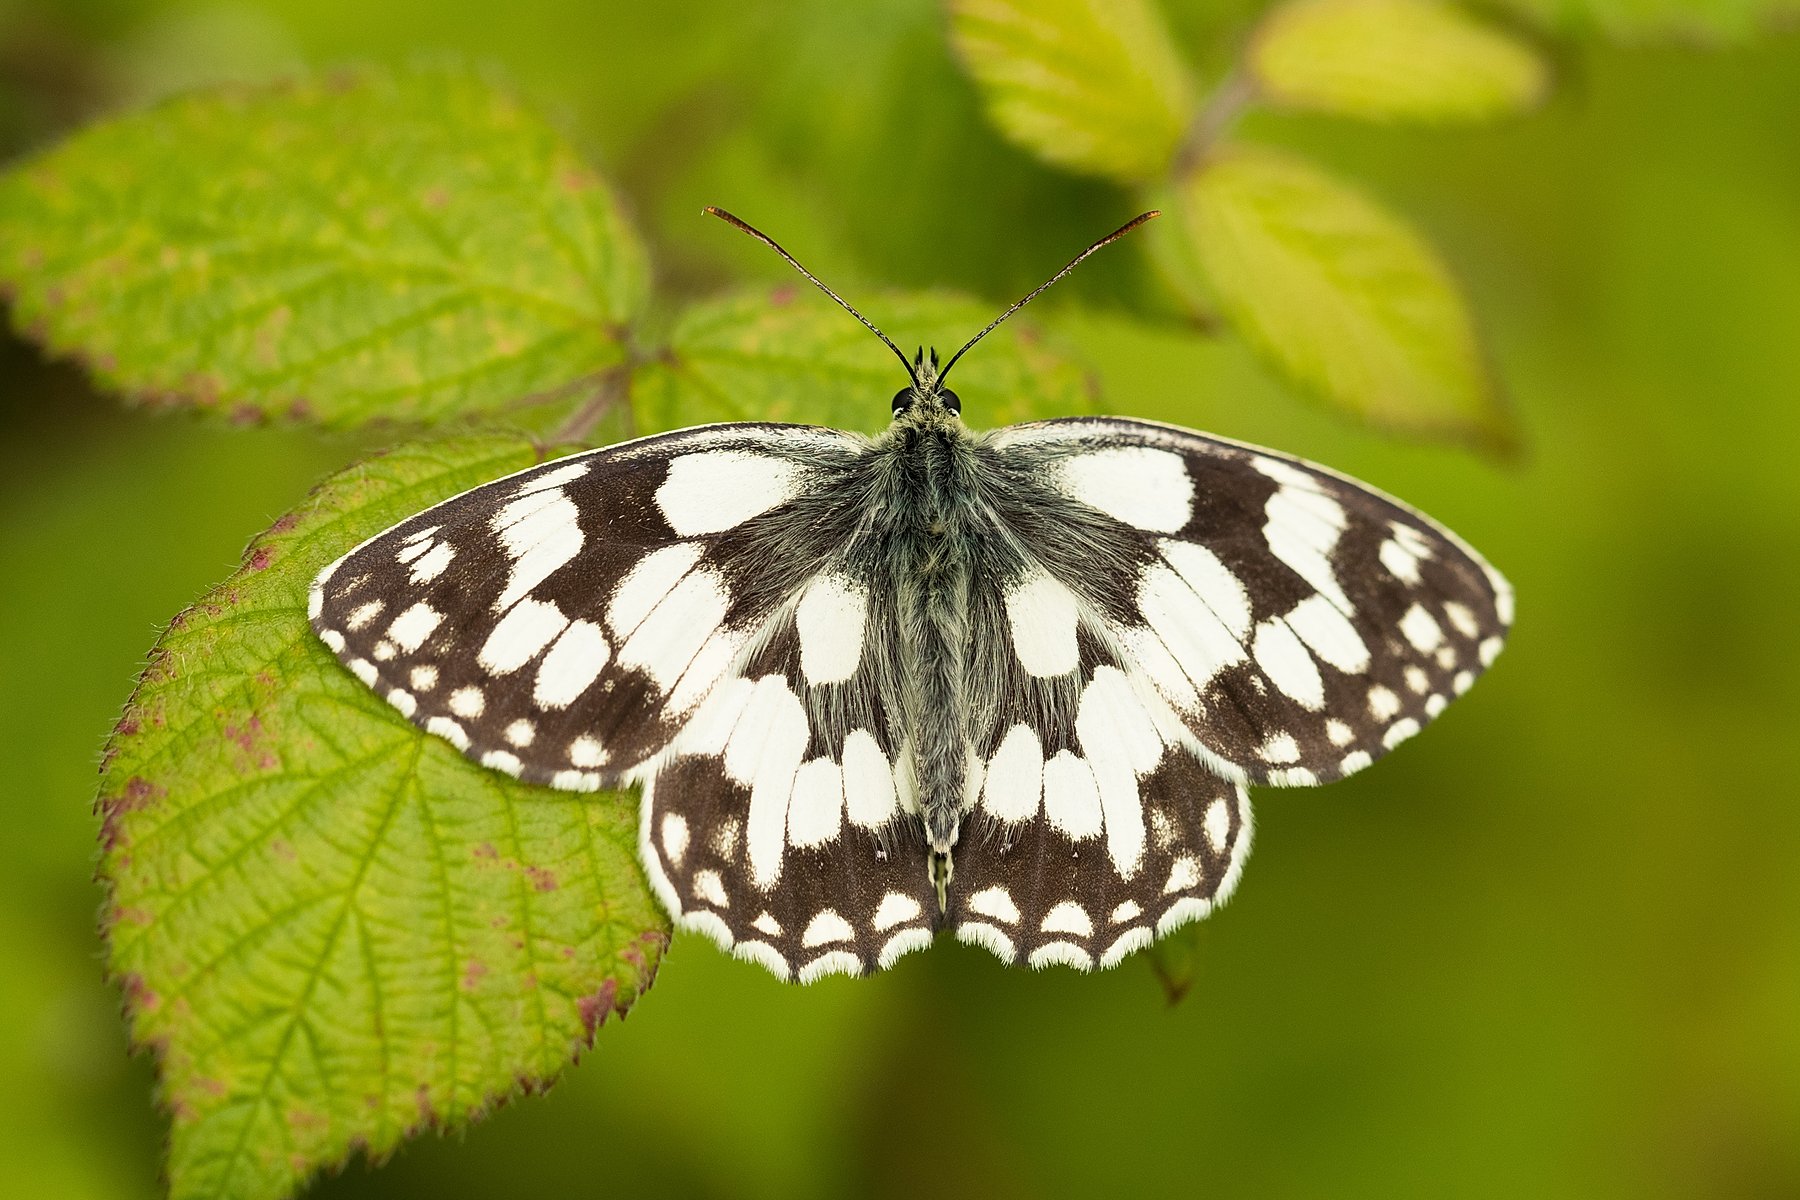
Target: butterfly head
(926,392)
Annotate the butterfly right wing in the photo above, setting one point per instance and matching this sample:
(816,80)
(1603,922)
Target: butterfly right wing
(1300,623)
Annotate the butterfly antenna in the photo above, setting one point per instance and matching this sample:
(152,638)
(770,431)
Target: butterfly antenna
(793,262)
(1108,240)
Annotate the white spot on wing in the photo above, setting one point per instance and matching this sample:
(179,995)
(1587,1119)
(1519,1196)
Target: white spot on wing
(572,665)
(675,839)
(995,902)
(520,634)
(816,810)
(670,637)
(710,888)
(1061,954)
(1071,801)
(467,702)
(1421,630)
(540,532)
(1120,742)
(825,928)
(1015,776)
(412,627)
(434,563)
(1068,917)
(1217,824)
(869,796)
(830,620)
(894,908)
(1139,485)
(764,752)
(650,579)
(362,614)
(1330,635)
(1287,664)
(716,490)
(1041,614)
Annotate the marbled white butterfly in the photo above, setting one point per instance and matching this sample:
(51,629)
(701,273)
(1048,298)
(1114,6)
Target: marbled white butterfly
(1012,684)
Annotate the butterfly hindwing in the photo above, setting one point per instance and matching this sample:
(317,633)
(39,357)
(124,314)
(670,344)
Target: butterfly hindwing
(783,820)
(1300,623)
(560,624)
(1098,825)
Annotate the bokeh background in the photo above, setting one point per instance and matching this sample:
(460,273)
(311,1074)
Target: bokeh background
(1551,949)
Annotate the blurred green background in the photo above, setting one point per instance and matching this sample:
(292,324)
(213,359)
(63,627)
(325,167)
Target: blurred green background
(1552,949)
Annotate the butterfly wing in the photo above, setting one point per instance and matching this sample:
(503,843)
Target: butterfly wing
(783,820)
(1299,623)
(1096,824)
(671,611)
(561,624)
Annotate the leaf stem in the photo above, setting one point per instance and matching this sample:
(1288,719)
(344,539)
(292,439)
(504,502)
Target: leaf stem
(1222,109)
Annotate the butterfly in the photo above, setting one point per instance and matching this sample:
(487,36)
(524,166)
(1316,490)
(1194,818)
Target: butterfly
(1012,684)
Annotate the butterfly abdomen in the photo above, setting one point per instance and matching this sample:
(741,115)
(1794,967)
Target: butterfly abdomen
(933,560)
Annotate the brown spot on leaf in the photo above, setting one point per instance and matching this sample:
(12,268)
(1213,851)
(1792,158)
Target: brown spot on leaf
(139,998)
(436,197)
(472,974)
(594,1009)
(259,559)
(541,879)
(486,850)
(427,1111)
(283,849)
(284,523)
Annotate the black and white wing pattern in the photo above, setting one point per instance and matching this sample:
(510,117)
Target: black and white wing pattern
(1134,622)
(636,615)
(1095,823)
(1179,616)
(563,623)
(1299,623)
(783,821)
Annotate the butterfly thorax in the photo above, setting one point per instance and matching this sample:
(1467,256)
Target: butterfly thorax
(933,548)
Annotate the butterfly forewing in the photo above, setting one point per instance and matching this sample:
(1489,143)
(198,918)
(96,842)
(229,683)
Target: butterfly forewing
(1300,623)
(562,623)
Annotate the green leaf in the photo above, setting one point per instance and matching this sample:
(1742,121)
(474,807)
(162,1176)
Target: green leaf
(359,247)
(334,931)
(1393,60)
(1339,295)
(787,354)
(1095,86)
(1707,21)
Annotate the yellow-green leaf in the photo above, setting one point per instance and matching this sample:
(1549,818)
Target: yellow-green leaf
(1393,60)
(333,930)
(1095,86)
(1338,294)
(789,354)
(357,247)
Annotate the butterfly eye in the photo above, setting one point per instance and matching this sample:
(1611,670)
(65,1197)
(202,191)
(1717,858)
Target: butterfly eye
(903,400)
(951,400)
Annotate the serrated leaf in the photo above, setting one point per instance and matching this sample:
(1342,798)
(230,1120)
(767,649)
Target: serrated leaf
(1707,21)
(333,930)
(1393,60)
(1339,295)
(360,247)
(784,354)
(1096,86)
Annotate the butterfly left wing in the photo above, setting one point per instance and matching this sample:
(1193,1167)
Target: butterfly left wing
(561,624)
(782,822)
